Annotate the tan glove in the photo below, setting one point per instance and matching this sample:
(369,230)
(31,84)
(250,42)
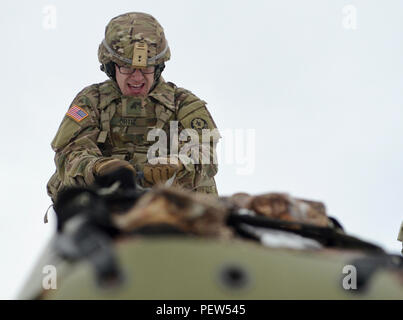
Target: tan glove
(104,167)
(160,173)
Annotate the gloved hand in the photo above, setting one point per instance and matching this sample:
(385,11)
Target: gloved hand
(160,172)
(108,171)
(104,167)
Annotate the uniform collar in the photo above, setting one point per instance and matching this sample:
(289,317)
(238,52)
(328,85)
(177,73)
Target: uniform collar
(164,94)
(109,91)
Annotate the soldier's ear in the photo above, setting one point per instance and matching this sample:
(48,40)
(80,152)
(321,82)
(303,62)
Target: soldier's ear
(158,70)
(109,69)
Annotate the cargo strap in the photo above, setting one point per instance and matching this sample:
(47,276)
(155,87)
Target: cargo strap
(106,116)
(327,236)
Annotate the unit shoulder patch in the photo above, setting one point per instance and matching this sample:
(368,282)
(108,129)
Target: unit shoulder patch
(199,124)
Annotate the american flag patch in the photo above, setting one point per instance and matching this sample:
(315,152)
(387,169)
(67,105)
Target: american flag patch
(76,113)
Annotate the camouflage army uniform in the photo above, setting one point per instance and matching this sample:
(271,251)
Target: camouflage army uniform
(101,123)
(108,132)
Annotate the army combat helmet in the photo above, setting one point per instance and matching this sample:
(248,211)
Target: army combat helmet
(134,40)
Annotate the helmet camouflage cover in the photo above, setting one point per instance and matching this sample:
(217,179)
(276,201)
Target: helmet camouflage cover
(135,40)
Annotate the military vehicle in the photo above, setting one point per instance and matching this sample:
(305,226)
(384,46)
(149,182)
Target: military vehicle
(116,240)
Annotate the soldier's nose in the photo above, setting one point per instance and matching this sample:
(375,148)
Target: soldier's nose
(137,75)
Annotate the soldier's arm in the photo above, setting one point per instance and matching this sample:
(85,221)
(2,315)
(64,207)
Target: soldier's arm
(192,114)
(75,143)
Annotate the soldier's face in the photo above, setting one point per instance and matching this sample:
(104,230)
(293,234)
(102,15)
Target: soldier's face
(135,84)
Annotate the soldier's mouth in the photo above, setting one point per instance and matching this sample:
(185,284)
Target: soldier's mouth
(136,88)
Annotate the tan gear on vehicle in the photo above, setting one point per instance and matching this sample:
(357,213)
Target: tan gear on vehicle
(135,40)
(106,166)
(284,207)
(195,213)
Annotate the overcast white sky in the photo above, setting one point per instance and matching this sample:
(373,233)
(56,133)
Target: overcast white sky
(325,102)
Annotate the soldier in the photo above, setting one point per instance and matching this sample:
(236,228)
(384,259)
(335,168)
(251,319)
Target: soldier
(107,125)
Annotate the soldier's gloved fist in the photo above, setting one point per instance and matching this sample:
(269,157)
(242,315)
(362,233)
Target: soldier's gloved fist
(162,171)
(104,167)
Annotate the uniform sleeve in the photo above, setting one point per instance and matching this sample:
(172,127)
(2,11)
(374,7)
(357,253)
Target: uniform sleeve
(194,117)
(75,143)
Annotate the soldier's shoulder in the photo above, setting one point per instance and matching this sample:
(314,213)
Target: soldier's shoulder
(83,112)
(97,96)
(192,111)
(184,97)
(87,97)
(94,90)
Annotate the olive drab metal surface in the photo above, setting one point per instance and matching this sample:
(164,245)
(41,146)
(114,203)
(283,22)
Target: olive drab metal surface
(175,244)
